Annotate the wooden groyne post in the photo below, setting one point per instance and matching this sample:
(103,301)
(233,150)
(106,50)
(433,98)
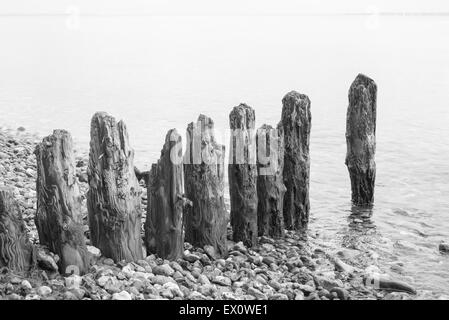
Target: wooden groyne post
(270,184)
(205,220)
(114,194)
(242,172)
(58,217)
(16,251)
(296,123)
(164,222)
(361,139)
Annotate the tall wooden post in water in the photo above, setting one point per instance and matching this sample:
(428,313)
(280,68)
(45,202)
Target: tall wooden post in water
(58,216)
(205,220)
(114,196)
(242,171)
(361,139)
(296,123)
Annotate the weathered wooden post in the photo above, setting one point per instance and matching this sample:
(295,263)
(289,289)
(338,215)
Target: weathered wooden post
(58,216)
(361,139)
(242,172)
(296,123)
(150,226)
(113,199)
(163,226)
(205,220)
(270,184)
(16,251)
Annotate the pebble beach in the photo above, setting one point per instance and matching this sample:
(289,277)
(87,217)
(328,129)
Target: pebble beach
(296,267)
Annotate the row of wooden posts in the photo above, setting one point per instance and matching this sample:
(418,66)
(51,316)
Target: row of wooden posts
(185,199)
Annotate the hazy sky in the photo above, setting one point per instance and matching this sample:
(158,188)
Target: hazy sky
(209,7)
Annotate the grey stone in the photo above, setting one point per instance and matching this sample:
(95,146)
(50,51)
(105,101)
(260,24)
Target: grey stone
(69,296)
(196,296)
(73,282)
(190,257)
(174,289)
(444,248)
(94,251)
(211,252)
(275,285)
(202,279)
(328,283)
(46,261)
(268,260)
(341,293)
(278,296)
(123,295)
(44,291)
(223,281)
(257,294)
(163,270)
(161,280)
(25,284)
(228,296)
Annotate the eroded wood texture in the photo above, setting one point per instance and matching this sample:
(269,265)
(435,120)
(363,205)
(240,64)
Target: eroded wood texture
(16,251)
(361,139)
(296,123)
(58,216)
(142,175)
(270,183)
(164,222)
(205,220)
(242,173)
(114,194)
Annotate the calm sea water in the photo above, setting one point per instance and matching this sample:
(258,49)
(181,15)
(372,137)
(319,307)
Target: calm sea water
(157,73)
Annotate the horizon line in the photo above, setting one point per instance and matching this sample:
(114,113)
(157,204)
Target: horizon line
(385,13)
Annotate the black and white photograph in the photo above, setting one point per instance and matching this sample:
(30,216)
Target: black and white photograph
(222,155)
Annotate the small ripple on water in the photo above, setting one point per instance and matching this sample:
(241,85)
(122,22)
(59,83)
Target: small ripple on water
(388,235)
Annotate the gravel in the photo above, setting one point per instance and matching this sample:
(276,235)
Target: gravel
(290,268)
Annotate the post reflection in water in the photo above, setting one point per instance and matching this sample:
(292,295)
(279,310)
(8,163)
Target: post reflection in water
(361,231)
(360,218)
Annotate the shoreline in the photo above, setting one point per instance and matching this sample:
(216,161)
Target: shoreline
(296,267)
